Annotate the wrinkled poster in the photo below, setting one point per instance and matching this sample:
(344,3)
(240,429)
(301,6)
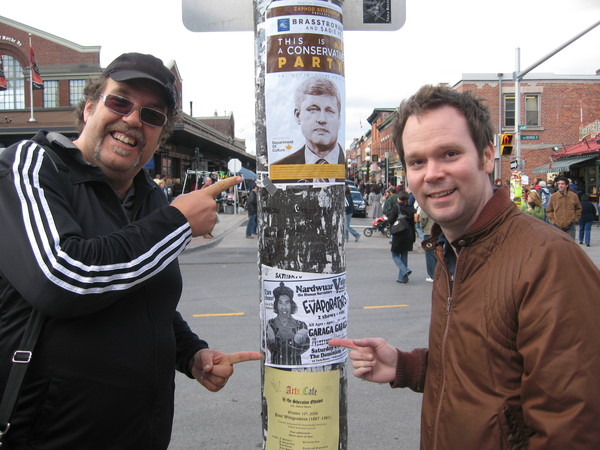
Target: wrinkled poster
(300,313)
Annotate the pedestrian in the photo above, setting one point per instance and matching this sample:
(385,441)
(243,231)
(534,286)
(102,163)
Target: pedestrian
(349,213)
(533,205)
(402,241)
(564,207)
(588,214)
(513,357)
(545,197)
(426,226)
(252,207)
(375,202)
(391,199)
(93,247)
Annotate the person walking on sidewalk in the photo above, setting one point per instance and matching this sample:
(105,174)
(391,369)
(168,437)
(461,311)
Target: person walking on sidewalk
(349,213)
(564,208)
(588,214)
(403,242)
(252,207)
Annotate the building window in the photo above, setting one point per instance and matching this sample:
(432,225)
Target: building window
(166,164)
(509,110)
(76,91)
(532,110)
(51,94)
(14,96)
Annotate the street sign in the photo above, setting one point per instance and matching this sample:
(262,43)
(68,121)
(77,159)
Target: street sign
(522,127)
(234,165)
(238,15)
(530,137)
(514,164)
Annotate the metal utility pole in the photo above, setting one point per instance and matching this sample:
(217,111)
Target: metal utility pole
(301,231)
(518,76)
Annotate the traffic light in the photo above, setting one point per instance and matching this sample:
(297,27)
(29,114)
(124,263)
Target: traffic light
(506,146)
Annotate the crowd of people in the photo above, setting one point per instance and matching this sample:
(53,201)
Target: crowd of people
(560,202)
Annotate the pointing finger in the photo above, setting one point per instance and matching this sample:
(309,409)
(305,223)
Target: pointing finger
(348,343)
(234,358)
(220,186)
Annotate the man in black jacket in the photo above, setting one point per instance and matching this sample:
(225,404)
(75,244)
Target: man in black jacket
(96,255)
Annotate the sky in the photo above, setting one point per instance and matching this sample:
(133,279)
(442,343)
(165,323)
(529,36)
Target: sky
(439,41)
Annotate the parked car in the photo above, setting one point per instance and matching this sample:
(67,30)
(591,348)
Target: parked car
(360,207)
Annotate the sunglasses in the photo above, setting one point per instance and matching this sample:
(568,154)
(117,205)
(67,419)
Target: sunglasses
(124,107)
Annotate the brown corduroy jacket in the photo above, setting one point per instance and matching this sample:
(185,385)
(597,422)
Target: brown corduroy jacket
(513,358)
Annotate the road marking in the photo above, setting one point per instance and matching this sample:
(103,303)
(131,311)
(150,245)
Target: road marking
(385,306)
(219,315)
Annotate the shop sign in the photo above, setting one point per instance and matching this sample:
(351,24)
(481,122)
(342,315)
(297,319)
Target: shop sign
(591,130)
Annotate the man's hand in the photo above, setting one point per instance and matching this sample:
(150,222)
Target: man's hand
(373,359)
(212,368)
(199,207)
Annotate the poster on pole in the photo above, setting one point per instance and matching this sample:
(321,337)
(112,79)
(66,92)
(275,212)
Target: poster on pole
(303,409)
(300,313)
(305,92)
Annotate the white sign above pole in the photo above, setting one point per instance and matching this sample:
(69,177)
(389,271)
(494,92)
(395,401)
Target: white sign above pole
(234,165)
(238,15)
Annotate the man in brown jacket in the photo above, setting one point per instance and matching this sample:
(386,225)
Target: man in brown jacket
(513,358)
(564,208)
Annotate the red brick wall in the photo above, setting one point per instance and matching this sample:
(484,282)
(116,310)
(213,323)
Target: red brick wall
(561,106)
(47,52)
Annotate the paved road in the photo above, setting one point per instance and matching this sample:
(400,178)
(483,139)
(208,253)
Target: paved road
(223,279)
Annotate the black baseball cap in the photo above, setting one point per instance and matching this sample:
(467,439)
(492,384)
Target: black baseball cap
(130,66)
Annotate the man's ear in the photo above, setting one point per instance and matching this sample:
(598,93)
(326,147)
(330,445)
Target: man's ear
(488,158)
(297,115)
(88,110)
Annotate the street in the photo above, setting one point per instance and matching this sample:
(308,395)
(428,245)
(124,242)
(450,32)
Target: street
(222,283)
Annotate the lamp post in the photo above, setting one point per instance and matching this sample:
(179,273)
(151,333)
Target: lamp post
(368,160)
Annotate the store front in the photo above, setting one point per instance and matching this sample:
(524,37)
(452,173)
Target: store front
(580,162)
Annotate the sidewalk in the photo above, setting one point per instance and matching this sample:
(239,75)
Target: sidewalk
(227,223)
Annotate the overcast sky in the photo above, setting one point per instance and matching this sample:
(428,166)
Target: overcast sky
(441,40)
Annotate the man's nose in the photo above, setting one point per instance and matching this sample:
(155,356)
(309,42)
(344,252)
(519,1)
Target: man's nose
(133,118)
(433,171)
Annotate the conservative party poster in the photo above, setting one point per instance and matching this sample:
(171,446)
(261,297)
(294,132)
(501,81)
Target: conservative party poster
(304,92)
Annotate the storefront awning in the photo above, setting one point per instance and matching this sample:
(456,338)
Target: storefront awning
(563,165)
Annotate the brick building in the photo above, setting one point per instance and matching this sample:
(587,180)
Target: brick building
(198,146)
(561,118)
(553,109)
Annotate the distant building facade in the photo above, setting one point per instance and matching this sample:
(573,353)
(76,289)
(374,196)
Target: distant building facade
(560,126)
(200,146)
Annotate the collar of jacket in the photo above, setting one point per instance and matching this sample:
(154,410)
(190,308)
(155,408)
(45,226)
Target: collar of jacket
(491,213)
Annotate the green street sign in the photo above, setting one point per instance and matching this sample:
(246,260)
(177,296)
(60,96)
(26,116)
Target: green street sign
(530,137)
(522,127)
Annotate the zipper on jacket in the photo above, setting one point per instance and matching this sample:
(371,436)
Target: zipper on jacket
(449,302)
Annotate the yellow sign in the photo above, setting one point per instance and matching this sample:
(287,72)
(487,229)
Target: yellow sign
(303,409)
(307,171)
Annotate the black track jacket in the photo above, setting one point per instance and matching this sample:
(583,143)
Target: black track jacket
(102,373)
